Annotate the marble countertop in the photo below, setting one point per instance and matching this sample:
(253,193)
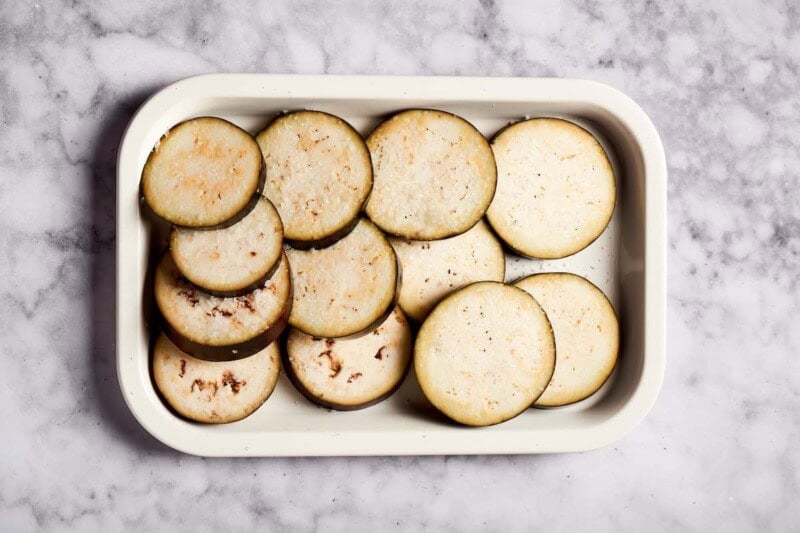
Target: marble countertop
(719,450)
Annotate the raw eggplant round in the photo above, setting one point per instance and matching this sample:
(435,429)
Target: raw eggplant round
(346,288)
(555,191)
(319,175)
(222,329)
(234,260)
(435,175)
(203,173)
(484,354)
(586,332)
(347,374)
(214,392)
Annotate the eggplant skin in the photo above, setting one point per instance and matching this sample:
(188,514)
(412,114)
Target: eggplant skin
(249,288)
(219,222)
(325,241)
(148,214)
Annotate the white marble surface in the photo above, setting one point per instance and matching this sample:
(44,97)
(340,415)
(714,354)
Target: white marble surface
(720,449)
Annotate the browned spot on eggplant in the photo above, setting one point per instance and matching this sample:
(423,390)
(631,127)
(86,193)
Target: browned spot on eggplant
(334,364)
(329,342)
(217,310)
(235,384)
(247,302)
(182,371)
(202,385)
(190,295)
(354,377)
(252,253)
(379,354)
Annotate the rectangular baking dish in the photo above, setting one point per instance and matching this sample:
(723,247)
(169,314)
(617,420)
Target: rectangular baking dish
(627,262)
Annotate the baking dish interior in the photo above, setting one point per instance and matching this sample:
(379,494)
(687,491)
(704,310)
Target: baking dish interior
(615,262)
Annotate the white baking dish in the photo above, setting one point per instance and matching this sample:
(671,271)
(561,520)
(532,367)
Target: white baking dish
(627,262)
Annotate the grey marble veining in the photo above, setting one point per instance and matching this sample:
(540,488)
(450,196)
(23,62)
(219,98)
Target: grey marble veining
(719,79)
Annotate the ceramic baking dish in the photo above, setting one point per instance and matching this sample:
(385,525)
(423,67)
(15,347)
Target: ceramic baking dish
(627,262)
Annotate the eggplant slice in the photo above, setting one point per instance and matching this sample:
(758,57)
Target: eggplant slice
(484,354)
(205,172)
(222,329)
(345,288)
(433,269)
(349,374)
(555,191)
(586,331)
(214,392)
(435,175)
(233,260)
(319,175)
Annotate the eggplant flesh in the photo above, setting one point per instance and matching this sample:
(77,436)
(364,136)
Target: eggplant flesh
(203,173)
(214,392)
(586,331)
(319,175)
(213,328)
(342,290)
(434,269)
(234,260)
(435,175)
(556,189)
(484,354)
(348,374)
